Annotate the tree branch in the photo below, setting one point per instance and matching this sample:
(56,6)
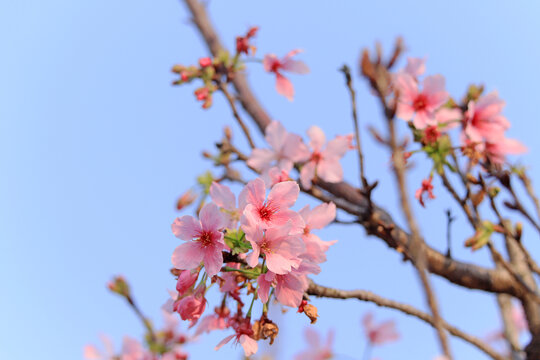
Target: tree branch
(363,295)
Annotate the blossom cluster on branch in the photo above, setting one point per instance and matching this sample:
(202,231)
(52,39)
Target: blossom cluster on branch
(253,247)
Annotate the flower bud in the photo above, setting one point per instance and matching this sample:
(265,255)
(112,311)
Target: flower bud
(205,62)
(119,285)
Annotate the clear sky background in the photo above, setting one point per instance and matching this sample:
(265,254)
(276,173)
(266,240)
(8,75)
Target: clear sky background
(96,146)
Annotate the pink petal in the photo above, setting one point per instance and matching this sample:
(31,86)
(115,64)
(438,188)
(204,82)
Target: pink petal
(415,66)
(260,159)
(294,149)
(317,138)
(307,174)
(434,84)
(312,338)
(213,260)
(322,215)
(187,256)
(275,135)
(284,194)
(224,341)
(186,227)
(295,66)
(264,287)
(222,196)
(330,170)
(407,87)
(404,111)
(250,346)
(339,146)
(290,290)
(423,119)
(284,87)
(255,192)
(276,263)
(211,218)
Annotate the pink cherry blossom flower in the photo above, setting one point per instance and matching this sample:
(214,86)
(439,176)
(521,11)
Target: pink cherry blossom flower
(280,249)
(420,105)
(271,212)
(317,218)
(317,349)
(324,160)
(447,118)
(286,149)
(483,118)
(223,197)
(186,280)
(192,306)
(380,334)
(426,189)
(274,65)
(208,242)
(243,336)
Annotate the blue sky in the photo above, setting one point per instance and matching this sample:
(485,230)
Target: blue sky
(95,147)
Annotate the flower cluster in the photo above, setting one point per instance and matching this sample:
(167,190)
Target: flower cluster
(432,113)
(287,149)
(271,251)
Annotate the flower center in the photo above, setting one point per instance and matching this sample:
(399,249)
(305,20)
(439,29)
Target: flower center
(420,102)
(316,157)
(266,212)
(205,239)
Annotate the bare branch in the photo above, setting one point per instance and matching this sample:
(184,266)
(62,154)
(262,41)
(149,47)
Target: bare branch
(363,295)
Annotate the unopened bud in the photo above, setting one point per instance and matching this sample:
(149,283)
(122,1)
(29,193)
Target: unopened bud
(519,231)
(205,62)
(178,69)
(494,191)
(119,285)
(311,313)
(228,133)
(186,199)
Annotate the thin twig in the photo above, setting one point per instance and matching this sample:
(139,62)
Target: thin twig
(231,101)
(528,187)
(348,81)
(363,295)
(449,220)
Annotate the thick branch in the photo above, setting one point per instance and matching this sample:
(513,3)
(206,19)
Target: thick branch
(362,295)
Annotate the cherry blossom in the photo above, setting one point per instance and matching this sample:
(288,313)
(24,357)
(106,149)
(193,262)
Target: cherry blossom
(380,334)
(274,65)
(192,306)
(273,211)
(483,119)
(286,149)
(208,243)
(186,280)
(420,105)
(280,249)
(243,337)
(317,218)
(324,160)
